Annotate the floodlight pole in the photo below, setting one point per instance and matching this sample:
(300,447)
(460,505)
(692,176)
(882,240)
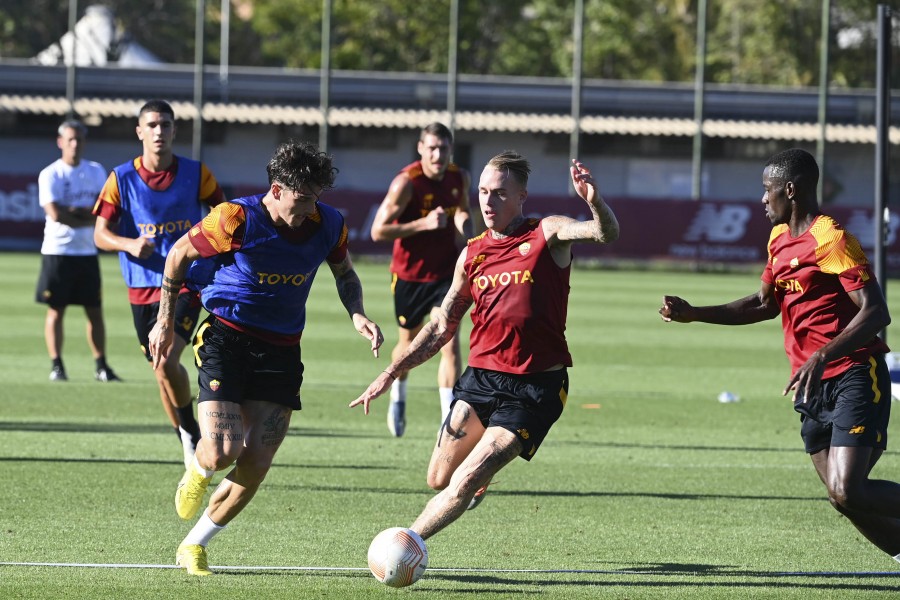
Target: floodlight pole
(197,152)
(325,75)
(882,143)
(823,96)
(453,66)
(70,68)
(699,91)
(577,68)
(224,43)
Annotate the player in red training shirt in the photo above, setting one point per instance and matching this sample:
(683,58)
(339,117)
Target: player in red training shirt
(832,309)
(516,274)
(425,208)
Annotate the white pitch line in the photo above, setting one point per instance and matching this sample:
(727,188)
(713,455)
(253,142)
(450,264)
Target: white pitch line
(838,574)
(474,570)
(152,566)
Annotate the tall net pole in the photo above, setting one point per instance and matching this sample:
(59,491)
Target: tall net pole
(577,69)
(882,142)
(325,75)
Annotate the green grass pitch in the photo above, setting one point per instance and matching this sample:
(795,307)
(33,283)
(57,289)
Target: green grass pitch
(648,487)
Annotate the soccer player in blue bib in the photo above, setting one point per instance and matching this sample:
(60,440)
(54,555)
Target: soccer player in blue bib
(254,260)
(147,204)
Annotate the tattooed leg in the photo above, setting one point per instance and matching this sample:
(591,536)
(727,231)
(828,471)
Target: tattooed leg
(497,448)
(456,439)
(222,434)
(266,426)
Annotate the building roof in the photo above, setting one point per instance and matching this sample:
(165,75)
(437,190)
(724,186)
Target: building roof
(411,100)
(266,114)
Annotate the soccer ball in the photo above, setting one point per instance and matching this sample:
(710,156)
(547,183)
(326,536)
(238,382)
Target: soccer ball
(398,557)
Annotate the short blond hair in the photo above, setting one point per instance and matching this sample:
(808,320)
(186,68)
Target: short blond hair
(514,164)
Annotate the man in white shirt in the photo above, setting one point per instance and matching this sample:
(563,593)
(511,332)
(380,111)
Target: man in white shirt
(70,270)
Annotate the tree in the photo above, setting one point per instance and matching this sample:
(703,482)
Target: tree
(767,42)
(27,27)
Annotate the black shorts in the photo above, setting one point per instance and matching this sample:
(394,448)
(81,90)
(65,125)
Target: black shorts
(187,311)
(526,405)
(66,280)
(853,409)
(235,366)
(413,300)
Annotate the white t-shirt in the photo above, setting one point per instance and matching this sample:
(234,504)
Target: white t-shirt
(67,186)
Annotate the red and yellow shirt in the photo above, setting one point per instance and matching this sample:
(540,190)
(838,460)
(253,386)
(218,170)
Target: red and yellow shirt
(812,274)
(520,302)
(429,256)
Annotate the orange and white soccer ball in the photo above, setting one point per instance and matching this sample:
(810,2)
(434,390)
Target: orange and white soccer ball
(398,557)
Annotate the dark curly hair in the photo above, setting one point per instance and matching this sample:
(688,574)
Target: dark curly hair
(296,164)
(795,165)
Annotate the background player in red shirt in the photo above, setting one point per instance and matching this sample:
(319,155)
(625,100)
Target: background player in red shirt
(425,207)
(832,310)
(517,276)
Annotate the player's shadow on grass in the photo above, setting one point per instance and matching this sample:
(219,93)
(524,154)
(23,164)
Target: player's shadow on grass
(619,445)
(118,428)
(650,576)
(547,493)
(144,461)
(645,568)
(704,578)
(662,495)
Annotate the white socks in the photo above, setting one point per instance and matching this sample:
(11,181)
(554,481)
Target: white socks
(446,398)
(398,394)
(196,466)
(398,390)
(203,531)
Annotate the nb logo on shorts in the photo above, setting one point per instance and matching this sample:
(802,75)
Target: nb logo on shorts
(523,433)
(858,429)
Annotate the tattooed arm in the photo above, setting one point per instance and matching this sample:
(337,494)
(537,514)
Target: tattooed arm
(351,294)
(561,231)
(162,335)
(433,336)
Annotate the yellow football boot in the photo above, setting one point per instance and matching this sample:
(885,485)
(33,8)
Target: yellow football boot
(190,492)
(192,558)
